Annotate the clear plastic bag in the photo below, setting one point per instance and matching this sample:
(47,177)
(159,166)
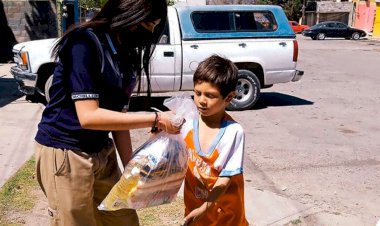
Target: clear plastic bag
(156,171)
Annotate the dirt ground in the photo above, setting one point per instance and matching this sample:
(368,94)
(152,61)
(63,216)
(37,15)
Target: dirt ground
(38,216)
(315,141)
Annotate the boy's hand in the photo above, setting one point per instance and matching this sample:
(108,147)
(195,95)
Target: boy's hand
(194,216)
(165,123)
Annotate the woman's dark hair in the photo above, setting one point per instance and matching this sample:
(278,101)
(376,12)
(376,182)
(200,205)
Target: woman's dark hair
(115,17)
(218,71)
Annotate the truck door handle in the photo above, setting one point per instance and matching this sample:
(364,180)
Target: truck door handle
(194,46)
(282,44)
(242,45)
(168,54)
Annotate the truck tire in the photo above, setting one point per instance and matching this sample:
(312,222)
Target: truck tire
(36,98)
(247,91)
(48,84)
(43,83)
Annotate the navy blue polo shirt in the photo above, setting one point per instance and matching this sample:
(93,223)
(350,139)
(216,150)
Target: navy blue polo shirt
(79,76)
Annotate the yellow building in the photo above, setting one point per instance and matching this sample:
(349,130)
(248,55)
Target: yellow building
(376,24)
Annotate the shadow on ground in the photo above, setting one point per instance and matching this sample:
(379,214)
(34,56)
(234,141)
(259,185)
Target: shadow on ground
(8,91)
(267,99)
(274,99)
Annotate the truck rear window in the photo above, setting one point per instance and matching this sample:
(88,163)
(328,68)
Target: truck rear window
(244,21)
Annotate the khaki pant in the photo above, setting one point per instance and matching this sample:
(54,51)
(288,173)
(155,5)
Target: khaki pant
(75,183)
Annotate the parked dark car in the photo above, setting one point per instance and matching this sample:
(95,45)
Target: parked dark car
(333,29)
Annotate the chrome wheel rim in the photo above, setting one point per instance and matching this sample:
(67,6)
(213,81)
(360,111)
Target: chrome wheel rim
(244,90)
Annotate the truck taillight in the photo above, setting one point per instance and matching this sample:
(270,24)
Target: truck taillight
(295,50)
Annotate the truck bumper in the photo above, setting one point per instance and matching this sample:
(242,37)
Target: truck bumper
(25,80)
(297,75)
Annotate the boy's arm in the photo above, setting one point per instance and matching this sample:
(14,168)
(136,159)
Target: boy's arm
(123,145)
(218,190)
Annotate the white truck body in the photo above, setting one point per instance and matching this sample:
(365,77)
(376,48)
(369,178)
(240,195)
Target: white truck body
(264,56)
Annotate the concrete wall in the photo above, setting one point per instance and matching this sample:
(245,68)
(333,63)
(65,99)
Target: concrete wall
(31,19)
(334,7)
(328,10)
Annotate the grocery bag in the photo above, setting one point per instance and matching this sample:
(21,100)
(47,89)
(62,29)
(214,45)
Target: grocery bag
(156,170)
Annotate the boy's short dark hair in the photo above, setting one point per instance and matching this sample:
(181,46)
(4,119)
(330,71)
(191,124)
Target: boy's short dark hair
(219,71)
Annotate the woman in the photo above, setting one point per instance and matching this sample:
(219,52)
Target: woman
(98,66)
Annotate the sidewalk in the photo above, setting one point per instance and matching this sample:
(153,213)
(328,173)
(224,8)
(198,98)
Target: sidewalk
(267,208)
(16,144)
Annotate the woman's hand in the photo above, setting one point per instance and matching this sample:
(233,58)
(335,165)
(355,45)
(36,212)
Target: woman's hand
(165,123)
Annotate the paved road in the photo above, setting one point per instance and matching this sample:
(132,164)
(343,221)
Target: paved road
(312,150)
(316,142)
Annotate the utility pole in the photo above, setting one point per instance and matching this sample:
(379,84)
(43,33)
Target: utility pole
(59,17)
(303,11)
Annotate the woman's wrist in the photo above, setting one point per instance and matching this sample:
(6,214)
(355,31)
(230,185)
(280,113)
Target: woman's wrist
(158,120)
(155,125)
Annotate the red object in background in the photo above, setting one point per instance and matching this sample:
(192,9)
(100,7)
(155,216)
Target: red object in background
(297,28)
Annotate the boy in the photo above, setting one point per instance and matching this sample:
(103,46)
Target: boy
(214,184)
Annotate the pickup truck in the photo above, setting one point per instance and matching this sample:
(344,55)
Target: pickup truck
(257,38)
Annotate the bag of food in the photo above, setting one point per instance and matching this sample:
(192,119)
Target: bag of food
(156,171)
